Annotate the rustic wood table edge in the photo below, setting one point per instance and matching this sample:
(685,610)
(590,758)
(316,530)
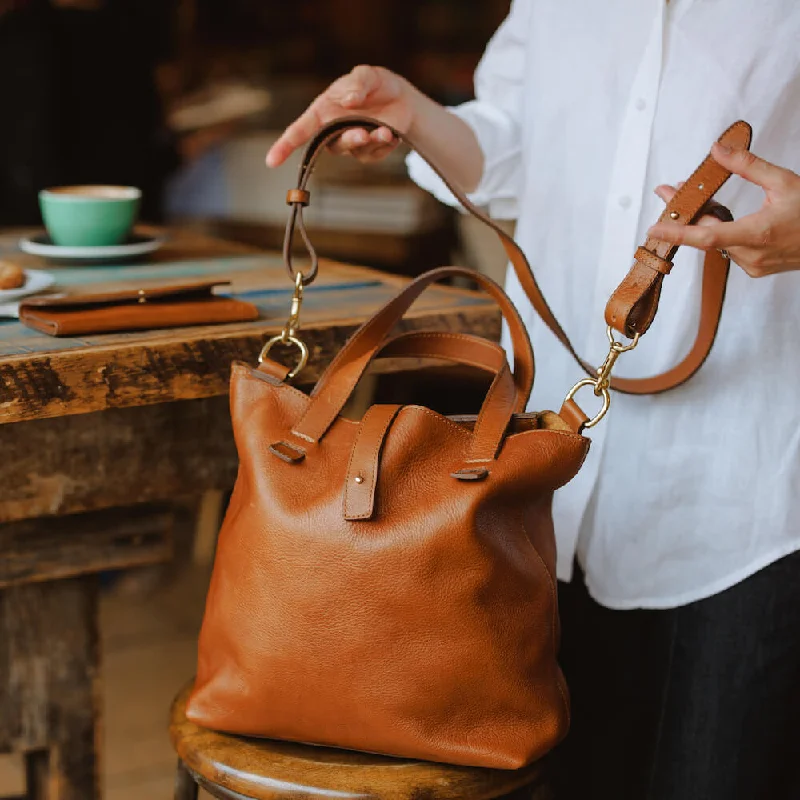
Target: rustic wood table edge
(44,377)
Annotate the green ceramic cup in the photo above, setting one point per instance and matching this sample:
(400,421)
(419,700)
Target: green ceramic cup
(89,216)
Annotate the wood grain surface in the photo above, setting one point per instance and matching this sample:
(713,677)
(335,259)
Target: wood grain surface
(43,377)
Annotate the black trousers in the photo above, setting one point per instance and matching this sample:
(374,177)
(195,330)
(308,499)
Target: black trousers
(700,702)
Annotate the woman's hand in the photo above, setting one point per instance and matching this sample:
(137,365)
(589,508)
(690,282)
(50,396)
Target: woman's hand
(764,243)
(376,92)
(372,91)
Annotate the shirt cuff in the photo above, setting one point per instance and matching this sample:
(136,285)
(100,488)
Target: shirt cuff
(498,189)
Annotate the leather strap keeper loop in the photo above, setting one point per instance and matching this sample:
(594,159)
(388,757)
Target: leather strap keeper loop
(649,259)
(288,452)
(298,197)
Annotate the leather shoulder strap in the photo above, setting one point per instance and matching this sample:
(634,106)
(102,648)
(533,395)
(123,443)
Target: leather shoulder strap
(633,305)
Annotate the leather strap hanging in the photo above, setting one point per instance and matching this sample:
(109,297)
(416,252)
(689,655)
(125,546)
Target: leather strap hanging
(633,305)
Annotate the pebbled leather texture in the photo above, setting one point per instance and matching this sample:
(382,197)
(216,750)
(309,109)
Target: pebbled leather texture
(428,630)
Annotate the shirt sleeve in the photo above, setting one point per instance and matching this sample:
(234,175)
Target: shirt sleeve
(495,117)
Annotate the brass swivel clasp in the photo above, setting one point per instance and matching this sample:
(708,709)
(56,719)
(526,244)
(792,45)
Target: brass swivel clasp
(614,352)
(289,333)
(293,323)
(602,383)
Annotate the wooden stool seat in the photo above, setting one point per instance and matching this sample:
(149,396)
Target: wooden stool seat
(236,768)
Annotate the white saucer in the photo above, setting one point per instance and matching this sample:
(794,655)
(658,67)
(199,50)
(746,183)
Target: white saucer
(138,244)
(35,281)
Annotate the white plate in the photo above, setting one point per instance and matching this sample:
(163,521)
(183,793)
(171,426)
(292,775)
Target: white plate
(138,244)
(35,281)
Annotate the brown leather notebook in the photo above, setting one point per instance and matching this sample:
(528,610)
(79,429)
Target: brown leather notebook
(131,310)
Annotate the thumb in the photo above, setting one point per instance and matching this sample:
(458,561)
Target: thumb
(750,167)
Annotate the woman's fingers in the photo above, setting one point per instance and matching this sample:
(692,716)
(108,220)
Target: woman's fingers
(375,153)
(296,135)
(752,168)
(744,232)
(348,94)
(361,143)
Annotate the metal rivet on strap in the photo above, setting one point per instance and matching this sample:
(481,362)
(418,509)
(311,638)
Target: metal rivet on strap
(701,186)
(674,215)
(358,479)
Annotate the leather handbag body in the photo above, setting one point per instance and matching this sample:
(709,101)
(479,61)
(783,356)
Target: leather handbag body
(388,584)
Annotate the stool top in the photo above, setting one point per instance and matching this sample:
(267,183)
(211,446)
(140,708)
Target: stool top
(264,769)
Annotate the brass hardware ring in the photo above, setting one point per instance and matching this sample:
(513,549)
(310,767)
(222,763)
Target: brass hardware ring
(599,389)
(619,347)
(283,339)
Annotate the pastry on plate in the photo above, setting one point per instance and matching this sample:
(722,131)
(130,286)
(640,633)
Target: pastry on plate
(12,276)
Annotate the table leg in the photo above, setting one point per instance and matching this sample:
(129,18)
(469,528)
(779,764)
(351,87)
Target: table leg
(49,685)
(185,786)
(37,768)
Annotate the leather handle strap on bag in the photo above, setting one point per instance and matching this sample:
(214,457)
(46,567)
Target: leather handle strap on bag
(633,305)
(488,432)
(340,378)
(502,399)
(490,426)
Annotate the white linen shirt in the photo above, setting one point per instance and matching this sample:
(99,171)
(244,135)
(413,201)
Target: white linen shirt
(582,109)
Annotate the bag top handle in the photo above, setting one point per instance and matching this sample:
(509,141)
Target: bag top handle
(633,305)
(343,373)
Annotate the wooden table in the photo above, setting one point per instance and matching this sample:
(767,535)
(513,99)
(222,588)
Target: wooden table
(100,435)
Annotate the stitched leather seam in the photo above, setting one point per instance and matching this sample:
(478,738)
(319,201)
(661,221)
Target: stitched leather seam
(465,338)
(350,464)
(459,359)
(248,375)
(373,458)
(434,275)
(330,418)
(497,378)
(434,334)
(711,185)
(436,415)
(464,432)
(653,261)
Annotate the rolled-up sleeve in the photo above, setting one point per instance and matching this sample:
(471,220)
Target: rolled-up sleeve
(495,117)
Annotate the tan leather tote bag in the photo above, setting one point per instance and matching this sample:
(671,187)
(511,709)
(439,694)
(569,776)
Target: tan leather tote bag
(388,584)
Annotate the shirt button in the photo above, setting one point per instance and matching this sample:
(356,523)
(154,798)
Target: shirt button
(640,104)
(625,201)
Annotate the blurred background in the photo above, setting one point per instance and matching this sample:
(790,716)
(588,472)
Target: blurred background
(183,98)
